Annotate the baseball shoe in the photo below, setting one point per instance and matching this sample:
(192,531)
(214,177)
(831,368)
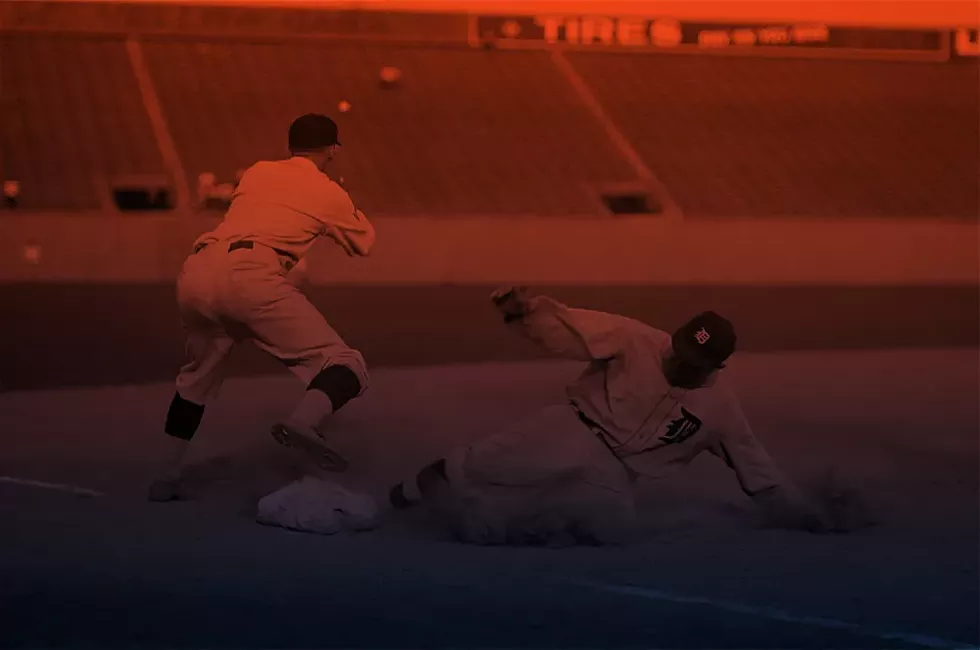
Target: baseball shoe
(312,444)
(397,499)
(166,489)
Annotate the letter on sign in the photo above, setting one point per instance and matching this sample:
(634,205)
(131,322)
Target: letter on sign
(551,25)
(713,38)
(630,31)
(597,30)
(743,37)
(967,44)
(665,32)
(811,33)
(774,35)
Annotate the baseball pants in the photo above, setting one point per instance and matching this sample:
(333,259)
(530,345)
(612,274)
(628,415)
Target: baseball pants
(545,480)
(226,297)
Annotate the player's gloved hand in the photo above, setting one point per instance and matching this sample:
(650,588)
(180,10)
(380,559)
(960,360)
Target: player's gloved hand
(842,507)
(784,507)
(825,505)
(511,301)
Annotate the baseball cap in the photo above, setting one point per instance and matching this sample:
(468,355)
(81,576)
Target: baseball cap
(312,131)
(706,340)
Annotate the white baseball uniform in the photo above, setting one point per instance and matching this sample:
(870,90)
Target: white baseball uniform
(570,466)
(235,287)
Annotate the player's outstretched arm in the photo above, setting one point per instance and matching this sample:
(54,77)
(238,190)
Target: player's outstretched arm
(579,334)
(782,504)
(360,237)
(825,504)
(344,223)
(785,506)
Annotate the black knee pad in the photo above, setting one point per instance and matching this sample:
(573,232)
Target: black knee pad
(339,383)
(183,418)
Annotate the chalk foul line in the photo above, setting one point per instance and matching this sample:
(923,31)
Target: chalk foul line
(788,617)
(61,487)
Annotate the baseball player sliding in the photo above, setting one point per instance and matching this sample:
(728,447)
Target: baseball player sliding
(648,402)
(235,287)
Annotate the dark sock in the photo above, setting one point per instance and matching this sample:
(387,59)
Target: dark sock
(426,482)
(397,498)
(432,476)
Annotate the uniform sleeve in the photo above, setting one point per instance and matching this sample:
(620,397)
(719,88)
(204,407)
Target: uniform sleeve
(244,183)
(578,334)
(360,237)
(782,502)
(736,444)
(350,222)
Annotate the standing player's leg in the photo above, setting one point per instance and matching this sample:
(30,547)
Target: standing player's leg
(198,382)
(297,334)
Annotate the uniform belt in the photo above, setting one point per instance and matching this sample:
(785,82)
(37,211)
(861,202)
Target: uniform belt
(601,434)
(251,244)
(594,426)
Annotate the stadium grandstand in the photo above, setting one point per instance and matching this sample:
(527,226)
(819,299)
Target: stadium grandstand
(442,124)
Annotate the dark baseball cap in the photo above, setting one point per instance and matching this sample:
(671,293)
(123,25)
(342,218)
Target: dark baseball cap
(311,132)
(706,340)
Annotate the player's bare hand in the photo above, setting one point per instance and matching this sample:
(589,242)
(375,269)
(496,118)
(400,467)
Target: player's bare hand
(824,503)
(785,507)
(334,233)
(511,301)
(843,508)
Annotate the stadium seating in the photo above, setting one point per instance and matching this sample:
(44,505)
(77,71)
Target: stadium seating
(785,137)
(463,132)
(467,131)
(71,119)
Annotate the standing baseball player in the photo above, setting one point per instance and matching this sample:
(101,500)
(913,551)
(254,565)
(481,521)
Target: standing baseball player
(648,402)
(235,287)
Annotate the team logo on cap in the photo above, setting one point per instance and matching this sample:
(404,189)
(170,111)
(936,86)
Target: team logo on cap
(702,336)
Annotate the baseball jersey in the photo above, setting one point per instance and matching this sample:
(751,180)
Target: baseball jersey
(286,205)
(649,424)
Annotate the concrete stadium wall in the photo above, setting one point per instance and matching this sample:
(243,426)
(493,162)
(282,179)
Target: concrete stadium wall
(143,248)
(92,302)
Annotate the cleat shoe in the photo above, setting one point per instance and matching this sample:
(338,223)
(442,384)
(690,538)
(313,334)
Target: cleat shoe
(309,442)
(163,490)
